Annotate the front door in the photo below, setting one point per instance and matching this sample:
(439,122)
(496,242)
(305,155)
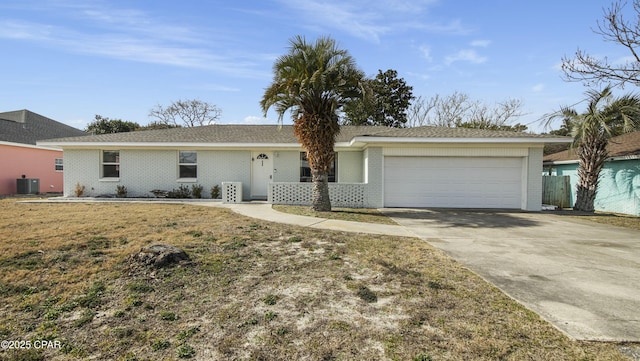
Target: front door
(262,174)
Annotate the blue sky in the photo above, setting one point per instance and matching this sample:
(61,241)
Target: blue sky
(72,59)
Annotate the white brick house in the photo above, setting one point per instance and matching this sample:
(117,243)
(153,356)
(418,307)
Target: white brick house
(374,166)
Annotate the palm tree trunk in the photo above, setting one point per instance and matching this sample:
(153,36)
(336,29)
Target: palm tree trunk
(321,200)
(592,153)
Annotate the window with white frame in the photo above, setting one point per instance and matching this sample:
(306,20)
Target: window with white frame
(188,164)
(59,165)
(305,169)
(110,164)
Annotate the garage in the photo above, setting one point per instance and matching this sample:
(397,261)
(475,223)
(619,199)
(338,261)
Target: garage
(453,182)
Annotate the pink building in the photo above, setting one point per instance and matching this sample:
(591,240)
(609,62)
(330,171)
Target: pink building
(20,157)
(33,162)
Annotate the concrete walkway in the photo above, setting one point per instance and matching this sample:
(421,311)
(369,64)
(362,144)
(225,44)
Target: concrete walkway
(264,211)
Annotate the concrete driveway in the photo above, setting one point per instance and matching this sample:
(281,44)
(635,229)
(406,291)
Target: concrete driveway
(582,277)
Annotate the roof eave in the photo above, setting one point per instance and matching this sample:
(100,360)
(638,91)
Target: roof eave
(610,159)
(361,140)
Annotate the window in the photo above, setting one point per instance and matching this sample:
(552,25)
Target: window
(188,164)
(110,164)
(58,165)
(305,170)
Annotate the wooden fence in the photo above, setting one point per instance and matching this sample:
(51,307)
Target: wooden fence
(556,191)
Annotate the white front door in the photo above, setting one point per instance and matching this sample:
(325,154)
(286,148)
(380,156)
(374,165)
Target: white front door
(262,173)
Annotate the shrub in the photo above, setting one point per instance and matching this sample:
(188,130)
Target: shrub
(121,191)
(196,190)
(79,191)
(215,192)
(182,192)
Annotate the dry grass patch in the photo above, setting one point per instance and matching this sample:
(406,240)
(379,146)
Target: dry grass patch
(254,291)
(366,215)
(619,220)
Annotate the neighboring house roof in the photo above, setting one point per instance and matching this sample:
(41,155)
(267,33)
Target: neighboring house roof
(228,134)
(26,127)
(626,145)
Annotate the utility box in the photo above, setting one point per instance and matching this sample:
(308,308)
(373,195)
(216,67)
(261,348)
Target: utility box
(231,192)
(28,185)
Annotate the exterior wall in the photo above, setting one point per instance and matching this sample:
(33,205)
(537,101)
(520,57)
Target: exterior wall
(374,177)
(350,167)
(619,188)
(532,182)
(83,167)
(33,162)
(144,170)
(287,166)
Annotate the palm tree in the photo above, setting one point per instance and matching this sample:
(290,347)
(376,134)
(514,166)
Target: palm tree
(314,81)
(605,118)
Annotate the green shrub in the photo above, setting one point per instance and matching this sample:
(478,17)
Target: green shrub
(215,192)
(196,190)
(121,191)
(181,192)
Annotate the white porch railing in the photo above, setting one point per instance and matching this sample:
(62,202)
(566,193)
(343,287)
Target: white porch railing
(348,195)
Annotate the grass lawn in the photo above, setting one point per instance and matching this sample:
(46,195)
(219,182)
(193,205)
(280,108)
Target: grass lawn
(366,215)
(618,220)
(253,291)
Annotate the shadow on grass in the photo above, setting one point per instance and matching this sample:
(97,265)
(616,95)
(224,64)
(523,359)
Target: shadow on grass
(464,218)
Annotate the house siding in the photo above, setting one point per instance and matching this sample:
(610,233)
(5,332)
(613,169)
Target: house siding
(144,170)
(374,176)
(31,161)
(532,182)
(619,187)
(350,167)
(286,166)
(82,167)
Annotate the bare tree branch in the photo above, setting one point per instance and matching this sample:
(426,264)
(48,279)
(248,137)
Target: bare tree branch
(594,71)
(188,113)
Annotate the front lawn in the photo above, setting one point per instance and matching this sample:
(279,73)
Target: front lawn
(366,215)
(253,291)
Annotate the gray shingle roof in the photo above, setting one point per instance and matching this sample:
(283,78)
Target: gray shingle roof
(620,146)
(273,134)
(26,127)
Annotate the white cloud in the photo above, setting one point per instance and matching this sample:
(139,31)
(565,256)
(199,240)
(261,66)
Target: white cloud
(481,43)
(468,55)
(538,88)
(252,119)
(369,20)
(419,75)
(339,15)
(426,52)
(134,36)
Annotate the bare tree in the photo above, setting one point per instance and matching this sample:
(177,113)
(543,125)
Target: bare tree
(597,71)
(439,111)
(188,113)
(458,110)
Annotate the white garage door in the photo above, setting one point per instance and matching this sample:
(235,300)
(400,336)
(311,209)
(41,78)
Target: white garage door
(451,182)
